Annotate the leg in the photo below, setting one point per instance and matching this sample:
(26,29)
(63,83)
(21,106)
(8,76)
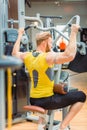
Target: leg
(42,121)
(74,99)
(74,109)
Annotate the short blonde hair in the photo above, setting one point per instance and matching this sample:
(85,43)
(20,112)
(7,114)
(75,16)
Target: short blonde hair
(42,36)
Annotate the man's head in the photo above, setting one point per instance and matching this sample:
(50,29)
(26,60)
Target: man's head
(44,38)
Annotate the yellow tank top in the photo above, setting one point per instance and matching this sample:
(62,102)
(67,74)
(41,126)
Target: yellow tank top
(41,74)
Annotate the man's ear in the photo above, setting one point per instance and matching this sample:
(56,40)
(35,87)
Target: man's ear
(45,43)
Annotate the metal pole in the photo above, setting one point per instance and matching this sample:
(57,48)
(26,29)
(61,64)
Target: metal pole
(21,13)
(3,23)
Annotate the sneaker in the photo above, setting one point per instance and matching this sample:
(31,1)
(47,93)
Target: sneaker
(41,127)
(67,128)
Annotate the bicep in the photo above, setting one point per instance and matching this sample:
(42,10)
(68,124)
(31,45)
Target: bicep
(21,55)
(57,58)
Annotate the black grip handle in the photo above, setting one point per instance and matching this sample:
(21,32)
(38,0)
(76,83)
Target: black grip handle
(80,29)
(29,26)
(26,28)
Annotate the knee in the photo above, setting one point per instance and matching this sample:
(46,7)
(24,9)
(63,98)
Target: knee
(82,96)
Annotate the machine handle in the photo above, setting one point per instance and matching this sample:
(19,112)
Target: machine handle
(26,28)
(80,29)
(29,26)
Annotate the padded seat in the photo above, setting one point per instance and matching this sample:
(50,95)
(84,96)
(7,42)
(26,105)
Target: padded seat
(34,109)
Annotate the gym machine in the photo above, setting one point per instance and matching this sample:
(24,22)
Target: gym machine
(6,63)
(8,37)
(57,69)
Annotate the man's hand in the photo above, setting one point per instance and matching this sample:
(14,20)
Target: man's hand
(21,31)
(60,88)
(75,28)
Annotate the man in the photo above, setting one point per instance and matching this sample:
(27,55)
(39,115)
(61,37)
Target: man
(40,66)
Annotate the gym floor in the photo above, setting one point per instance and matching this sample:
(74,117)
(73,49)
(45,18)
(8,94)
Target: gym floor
(79,122)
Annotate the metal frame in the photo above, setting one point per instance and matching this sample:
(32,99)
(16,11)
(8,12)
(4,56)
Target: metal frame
(3,25)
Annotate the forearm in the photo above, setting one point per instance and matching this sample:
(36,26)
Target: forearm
(16,47)
(72,46)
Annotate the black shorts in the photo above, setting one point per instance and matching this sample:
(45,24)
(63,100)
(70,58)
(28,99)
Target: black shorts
(58,100)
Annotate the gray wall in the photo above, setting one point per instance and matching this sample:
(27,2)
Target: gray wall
(66,10)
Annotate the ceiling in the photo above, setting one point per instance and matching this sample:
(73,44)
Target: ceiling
(28,2)
(57,0)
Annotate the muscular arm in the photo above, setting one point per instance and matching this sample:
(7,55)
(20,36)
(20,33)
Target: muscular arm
(70,52)
(16,49)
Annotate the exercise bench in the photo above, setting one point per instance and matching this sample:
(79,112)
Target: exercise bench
(41,112)
(45,115)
